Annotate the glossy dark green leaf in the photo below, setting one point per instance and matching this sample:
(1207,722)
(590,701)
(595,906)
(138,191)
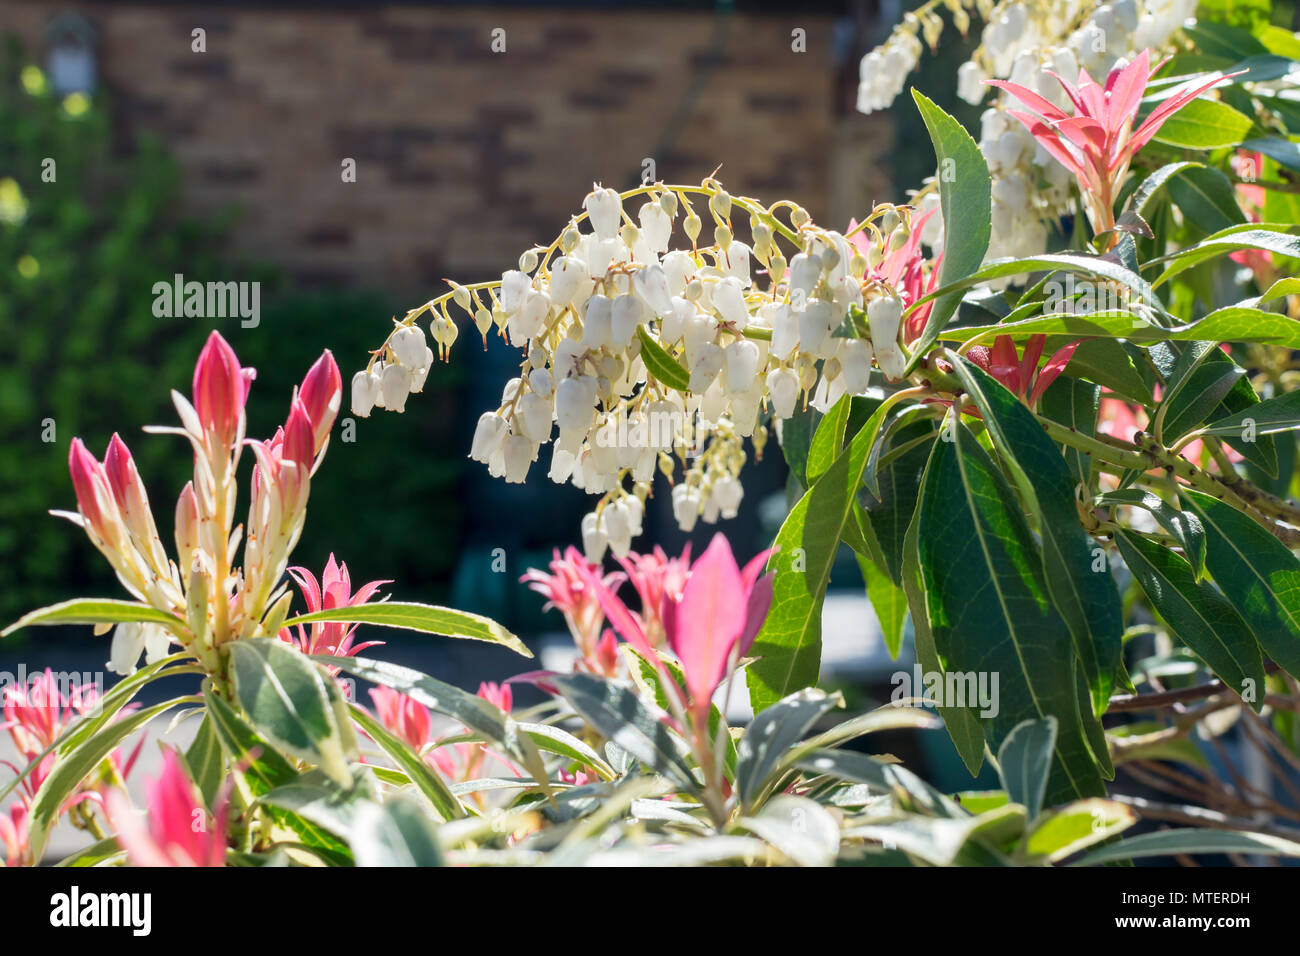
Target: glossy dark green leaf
(1196,387)
(1183,841)
(965,197)
(963,725)
(1198,615)
(1183,526)
(661,365)
(788,647)
(828,439)
(1257,573)
(1074,404)
(97,611)
(1080,587)
(1269,417)
(901,458)
(206,761)
(1206,197)
(990,609)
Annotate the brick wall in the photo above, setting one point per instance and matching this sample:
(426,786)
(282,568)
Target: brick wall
(464,156)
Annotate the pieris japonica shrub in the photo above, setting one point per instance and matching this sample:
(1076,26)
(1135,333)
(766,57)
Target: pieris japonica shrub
(1047,403)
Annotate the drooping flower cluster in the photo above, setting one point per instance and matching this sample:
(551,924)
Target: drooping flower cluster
(218,600)
(636,351)
(1030,43)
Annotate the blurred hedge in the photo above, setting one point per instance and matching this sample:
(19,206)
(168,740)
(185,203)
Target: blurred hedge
(81,354)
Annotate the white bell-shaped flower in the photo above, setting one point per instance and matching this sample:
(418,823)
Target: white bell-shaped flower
(686,507)
(395,386)
(884,316)
(741,366)
(575,402)
(651,284)
(365,389)
(707,365)
(519,453)
(567,273)
(855,365)
(596,332)
(605,210)
(489,433)
(783,390)
(728,300)
(513,286)
(626,313)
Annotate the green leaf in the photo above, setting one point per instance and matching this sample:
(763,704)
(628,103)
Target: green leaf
(965,197)
(1284,152)
(262,768)
(788,647)
(897,465)
(1075,263)
(803,830)
(796,442)
(1146,193)
(617,714)
(1108,363)
(395,833)
(964,727)
(855,767)
(1269,417)
(990,610)
(1257,573)
(97,611)
(889,603)
(1206,197)
(771,734)
(1192,840)
(419,617)
(97,854)
(661,365)
(1226,241)
(206,761)
(420,773)
(1076,826)
(1085,596)
(1197,614)
(1183,526)
(471,710)
(1196,387)
(828,439)
(294,703)
(1025,760)
(1204,124)
(1229,324)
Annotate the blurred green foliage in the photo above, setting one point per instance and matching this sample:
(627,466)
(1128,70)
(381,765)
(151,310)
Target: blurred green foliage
(85,231)
(82,354)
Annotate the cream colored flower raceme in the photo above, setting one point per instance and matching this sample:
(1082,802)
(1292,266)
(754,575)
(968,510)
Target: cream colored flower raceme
(644,348)
(1024,41)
